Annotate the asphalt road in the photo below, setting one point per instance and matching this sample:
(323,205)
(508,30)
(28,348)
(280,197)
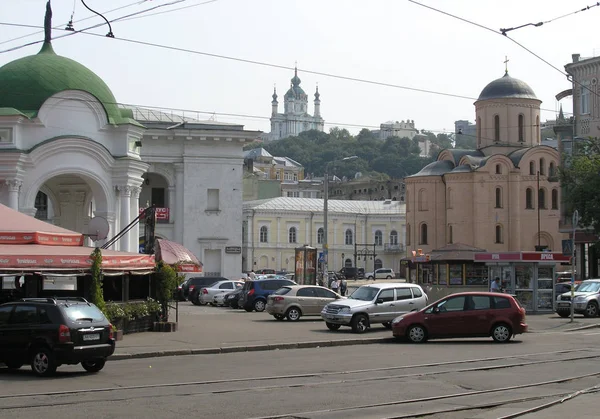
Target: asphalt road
(455,379)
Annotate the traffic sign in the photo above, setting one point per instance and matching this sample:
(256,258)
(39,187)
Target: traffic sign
(567,247)
(321,257)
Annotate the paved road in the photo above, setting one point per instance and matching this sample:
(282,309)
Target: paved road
(455,379)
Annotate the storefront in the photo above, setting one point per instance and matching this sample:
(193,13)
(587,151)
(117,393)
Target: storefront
(530,276)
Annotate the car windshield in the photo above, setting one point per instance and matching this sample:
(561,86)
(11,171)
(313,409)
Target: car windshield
(588,287)
(83,312)
(364,293)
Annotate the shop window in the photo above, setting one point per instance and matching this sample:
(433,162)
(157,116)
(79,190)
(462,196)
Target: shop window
(529,198)
(423,234)
(348,263)
(456,274)
(157,197)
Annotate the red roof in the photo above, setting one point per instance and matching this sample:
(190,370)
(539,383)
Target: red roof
(19,228)
(172,253)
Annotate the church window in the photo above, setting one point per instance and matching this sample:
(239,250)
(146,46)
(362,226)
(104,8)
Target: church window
(551,169)
(498,197)
(542,167)
(408,234)
(498,169)
(521,128)
(349,237)
(264,234)
(554,199)
(450,238)
(423,200)
(542,198)
(378,238)
(532,167)
(292,235)
(320,235)
(423,234)
(499,234)
(529,198)
(478,132)
(41,205)
(497,128)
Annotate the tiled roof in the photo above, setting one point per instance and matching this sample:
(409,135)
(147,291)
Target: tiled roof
(333,206)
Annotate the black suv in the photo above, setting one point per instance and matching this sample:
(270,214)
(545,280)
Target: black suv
(50,332)
(254,293)
(197,283)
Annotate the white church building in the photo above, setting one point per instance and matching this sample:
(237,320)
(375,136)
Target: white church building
(69,152)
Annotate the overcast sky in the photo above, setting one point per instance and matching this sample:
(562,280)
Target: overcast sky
(388,41)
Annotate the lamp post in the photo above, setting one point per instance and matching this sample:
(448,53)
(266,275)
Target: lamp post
(325,211)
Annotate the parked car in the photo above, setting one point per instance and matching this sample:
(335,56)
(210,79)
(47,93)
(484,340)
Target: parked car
(255,293)
(190,283)
(352,272)
(231,298)
(295,301)
(382,273)
(264,271)
(197,283)
(374,303)
(49,332)
(207,294)
(586,301)
(469,314)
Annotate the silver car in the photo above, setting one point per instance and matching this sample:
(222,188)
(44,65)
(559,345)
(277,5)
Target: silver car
(586,300)
(374,303)
(207,294)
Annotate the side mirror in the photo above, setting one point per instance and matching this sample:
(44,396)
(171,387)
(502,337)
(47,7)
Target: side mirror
(379,301)
(436,310)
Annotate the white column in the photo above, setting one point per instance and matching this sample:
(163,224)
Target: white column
(177,205)
(172,203)
(134,235)
(125,198)
(14,186)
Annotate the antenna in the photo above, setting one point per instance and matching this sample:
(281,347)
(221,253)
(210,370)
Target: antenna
(98,228)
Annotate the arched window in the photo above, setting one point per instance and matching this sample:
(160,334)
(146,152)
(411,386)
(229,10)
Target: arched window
(449,198)
(264,234)
(478,132)
(450,238)
(378,264)
(348,263)
(292,235)
(423,200)
(349,237)
(408,234)
(521,128)
(552,169)
(41,205)
(498,197)
(423,234)
(320,235)
(554,199)
(394,237)
(499,234)
(532,167)
(406,198)
(529,198)
(497,128)
(378,238)
(498,169)
(542,198)
(542,167)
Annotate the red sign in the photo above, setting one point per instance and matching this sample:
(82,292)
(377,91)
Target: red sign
(75,262)
(492,257)
(521,256)
(190,268)
(545,257)
(47,239)
(162,214)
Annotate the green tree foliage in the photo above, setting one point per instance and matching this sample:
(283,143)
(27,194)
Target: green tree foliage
(465,142)
(580,179)
(96,292)
(166,284)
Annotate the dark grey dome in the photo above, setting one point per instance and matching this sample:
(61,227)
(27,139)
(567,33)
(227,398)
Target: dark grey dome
(507,86)
(437,168)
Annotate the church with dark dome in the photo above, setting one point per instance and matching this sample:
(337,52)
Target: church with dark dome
(504,195)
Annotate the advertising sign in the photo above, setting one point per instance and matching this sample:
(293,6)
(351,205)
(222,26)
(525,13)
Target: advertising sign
(306,265)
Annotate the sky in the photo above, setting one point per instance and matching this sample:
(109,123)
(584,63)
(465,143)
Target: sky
(374,42)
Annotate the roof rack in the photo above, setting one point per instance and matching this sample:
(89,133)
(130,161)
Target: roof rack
(53,300)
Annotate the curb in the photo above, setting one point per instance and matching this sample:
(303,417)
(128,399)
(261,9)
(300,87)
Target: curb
(252,348)
(590,326)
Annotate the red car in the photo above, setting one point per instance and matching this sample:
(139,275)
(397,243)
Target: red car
(461,315)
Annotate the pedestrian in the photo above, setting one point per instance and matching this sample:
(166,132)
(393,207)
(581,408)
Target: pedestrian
(496,285)
(252,275)
(343,287)
(335,285)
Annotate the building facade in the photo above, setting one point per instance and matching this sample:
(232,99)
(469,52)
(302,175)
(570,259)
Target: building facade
(295,117)
(273,228)
(502,196)
(402,129)
(69,153)
(585,73)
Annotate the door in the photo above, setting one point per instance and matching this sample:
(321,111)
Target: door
(478,317)
(385,306)
(446,317)
(404,300)
(308,301)
(324,297)
(22,328)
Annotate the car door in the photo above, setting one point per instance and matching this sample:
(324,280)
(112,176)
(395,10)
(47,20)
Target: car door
(325,297)
(385,306)
(478,316)
(404,300)
(308,301)
(225,287)
(5,342)
(22,328)
(445,317)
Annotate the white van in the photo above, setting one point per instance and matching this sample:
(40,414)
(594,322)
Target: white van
(381,273)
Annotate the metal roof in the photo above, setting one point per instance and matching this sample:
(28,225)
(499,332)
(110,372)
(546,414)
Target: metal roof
(333,206)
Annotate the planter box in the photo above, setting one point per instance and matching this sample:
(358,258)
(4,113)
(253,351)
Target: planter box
(165,327)
(143,324)
(119,335)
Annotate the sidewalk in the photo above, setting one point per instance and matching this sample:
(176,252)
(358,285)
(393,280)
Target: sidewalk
(209,330)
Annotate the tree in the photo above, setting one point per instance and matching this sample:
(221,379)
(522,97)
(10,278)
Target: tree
(580,178)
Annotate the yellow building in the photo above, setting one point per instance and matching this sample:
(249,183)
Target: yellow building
(273,228)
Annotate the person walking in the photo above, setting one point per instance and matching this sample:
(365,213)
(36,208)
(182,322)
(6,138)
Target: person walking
(335,285)
(343,287)
(495,287)
(252,275)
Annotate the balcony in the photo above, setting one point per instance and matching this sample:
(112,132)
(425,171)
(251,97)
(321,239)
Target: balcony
(393,248)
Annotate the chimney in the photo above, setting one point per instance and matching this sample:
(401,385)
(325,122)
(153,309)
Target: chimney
(575,57)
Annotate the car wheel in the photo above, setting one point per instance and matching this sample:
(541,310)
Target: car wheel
(416,334)
(293,314)
(333,326)
(93,365)
(370,277)
(279,316)
(563,313)
(501,333)
(387,325)
(259,305)
(388,277)
(43,362)
(360,323)
(591,310)
(14,365)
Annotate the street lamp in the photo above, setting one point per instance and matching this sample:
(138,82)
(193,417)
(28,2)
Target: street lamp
(325,232)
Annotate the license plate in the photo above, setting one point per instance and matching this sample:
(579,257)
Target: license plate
(91,336)
(563,304)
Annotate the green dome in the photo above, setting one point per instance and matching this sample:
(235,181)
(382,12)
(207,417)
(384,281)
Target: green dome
(26,83)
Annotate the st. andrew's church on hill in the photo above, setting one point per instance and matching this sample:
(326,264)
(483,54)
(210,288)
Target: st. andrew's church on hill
(503,196)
